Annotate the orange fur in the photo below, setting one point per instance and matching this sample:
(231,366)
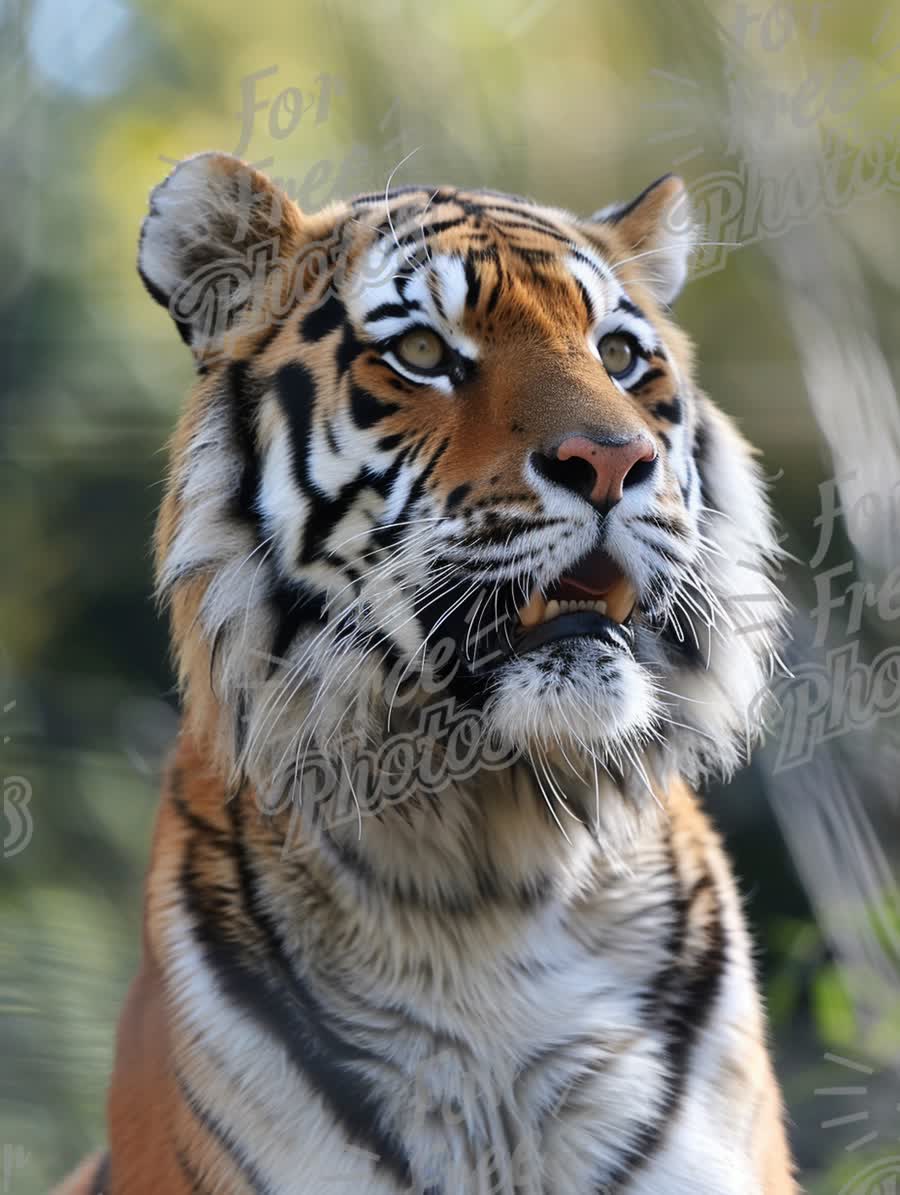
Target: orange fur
(212,844)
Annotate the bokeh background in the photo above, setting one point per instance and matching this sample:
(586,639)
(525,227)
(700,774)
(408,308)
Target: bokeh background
(782,117)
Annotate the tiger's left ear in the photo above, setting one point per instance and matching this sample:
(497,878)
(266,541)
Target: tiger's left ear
(215,230)
(657,229)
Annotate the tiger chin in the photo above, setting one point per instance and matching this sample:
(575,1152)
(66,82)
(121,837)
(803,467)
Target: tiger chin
(454,551)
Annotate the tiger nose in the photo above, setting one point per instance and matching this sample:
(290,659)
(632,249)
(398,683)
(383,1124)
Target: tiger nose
(600,470)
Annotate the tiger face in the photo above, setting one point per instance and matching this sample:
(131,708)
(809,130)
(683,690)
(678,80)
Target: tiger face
(449,444)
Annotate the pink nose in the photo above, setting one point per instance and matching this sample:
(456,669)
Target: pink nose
(613,464)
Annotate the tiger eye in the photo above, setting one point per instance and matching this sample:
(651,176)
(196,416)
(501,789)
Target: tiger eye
(421,349)
(617,353)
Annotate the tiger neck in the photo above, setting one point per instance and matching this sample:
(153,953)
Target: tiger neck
(431,899)
(515,838)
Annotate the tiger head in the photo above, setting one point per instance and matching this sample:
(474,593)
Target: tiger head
(448,444)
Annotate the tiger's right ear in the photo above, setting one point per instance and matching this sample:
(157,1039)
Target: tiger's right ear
(210,223)
(657,225)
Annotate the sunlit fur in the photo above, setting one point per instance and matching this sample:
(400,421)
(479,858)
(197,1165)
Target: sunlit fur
(531,978)
(697,542)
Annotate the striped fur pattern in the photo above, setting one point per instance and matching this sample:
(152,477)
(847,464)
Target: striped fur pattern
(533,976)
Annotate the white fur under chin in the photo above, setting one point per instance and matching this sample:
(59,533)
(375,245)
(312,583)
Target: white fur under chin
(578,695)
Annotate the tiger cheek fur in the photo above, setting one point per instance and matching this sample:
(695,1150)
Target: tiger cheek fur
(445,457)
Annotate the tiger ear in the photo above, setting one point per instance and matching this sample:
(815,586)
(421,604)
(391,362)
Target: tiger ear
(212,224)
(659,225)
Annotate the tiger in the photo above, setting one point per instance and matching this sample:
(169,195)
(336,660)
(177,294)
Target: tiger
(453,547)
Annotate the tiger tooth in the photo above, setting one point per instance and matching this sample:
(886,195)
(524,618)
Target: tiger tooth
(533,614)
(539,610)
(620,601)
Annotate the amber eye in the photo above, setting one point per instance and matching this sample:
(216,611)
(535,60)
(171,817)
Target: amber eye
(617,352)
(421,349)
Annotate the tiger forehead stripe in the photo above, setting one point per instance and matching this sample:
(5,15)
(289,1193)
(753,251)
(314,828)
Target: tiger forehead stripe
(629,318)
(450,273)
(608,303)
(436,294)
(596,282)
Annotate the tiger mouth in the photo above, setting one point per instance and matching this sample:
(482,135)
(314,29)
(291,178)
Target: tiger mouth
(593,599)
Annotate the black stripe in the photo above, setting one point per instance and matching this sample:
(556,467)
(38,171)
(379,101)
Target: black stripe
(324,319)
(383,483)
(654,997)
(388,443)
(473,281)
(223,1137)
(191,1177)
(367,409)
(701,458)
(701,443)
(396,192)
(102,1182)
(456,496)
(532,255)
(586,299)
(498,287)
(297,396)
(155,293)
(685,1008)
(519,211)
(418,486)
(534,227)
(508,527)
(623,210)
(386,310)
(242,398)
(652,375)
(581,256)
(632,309)
(240,723)
(663,524)
(491,253)
(416,448)
(422,235)
(349,348)
(276,997)
(434,289)
(295,605)
(666,410)
(199,825)
(494,499)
